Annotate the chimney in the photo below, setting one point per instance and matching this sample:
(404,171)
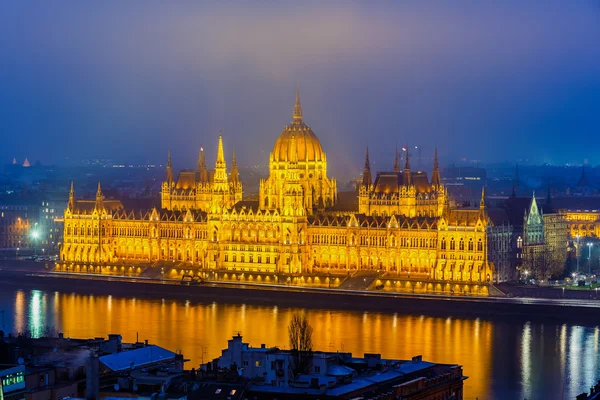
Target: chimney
(92,377)
(146,342)
(263,346)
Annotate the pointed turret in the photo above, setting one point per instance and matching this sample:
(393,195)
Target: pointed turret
(367,171)
(235,175)
(71,205)
(99,199)
(220,153)
(482,201)
(220,177)
(396,162)
(406,173)
(202,170)
(169,169)
(297,114)
(435,175)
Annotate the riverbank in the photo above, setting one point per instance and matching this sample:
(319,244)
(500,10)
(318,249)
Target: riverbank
(448,306)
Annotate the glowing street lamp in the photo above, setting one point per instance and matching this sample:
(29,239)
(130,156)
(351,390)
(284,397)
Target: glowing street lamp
(577,252)
(590,245)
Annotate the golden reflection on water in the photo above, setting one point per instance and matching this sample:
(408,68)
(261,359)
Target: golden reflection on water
(514,359)
(201,330)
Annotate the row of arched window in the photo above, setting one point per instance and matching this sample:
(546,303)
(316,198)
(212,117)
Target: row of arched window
(461,244)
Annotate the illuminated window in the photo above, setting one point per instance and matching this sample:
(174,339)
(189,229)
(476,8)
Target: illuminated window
(519,242)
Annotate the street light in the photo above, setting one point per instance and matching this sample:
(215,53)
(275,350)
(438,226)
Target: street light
(577,252)
(590,245)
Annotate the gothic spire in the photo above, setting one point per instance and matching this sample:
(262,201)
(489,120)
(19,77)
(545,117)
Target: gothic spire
(406,175)
(482,201)
(396,161)
(235,175)
(169,168)
(99,197)
(435,175)
(71,205)
(297,108)
(367,171)
(220,152)
(202,170)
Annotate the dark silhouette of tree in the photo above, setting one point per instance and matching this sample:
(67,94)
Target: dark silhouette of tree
(300,336)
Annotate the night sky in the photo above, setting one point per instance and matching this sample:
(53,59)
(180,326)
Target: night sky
(490,81)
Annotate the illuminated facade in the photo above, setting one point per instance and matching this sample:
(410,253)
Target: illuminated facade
(403,225)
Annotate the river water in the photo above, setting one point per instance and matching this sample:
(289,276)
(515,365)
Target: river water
(503,358)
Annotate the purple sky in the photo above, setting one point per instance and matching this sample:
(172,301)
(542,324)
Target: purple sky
(489,80)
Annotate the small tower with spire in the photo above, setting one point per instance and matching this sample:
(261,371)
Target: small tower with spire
(71,204)
(366,181)
(435,174)
(396,162)
(235,175)
(202,170)
(169,177)
(99,205)
(482,201)
(406,174)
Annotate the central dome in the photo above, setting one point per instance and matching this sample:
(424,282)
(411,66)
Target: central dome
(308,146)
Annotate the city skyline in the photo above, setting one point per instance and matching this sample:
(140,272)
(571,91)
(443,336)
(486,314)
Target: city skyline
(408,75)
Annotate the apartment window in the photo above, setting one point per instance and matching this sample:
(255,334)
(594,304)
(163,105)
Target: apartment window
(273,365)
(245,363)
(258,364)
(317,369)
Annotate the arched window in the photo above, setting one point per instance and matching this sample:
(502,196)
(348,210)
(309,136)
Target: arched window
(479,245)
(452,244)
(471,244)
(519,242)
(443,243)
(461,244)
(242,258)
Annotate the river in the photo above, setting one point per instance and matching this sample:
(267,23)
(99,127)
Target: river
(503,358)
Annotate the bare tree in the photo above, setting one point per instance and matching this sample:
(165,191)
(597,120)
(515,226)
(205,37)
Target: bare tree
(300,336)
(544,261)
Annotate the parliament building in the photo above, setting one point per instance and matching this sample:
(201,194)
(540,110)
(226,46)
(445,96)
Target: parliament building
(403,223)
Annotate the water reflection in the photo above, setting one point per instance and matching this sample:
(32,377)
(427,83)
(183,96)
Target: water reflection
(502,359)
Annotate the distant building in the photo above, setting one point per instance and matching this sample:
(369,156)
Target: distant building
(270,372)
(17,221)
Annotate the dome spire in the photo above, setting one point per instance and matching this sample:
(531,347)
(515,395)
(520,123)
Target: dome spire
(297,108)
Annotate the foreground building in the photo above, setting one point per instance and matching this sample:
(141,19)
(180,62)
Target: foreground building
(402,223)
(273,374)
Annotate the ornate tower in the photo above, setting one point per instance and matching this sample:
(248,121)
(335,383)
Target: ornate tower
(202,170)
(406,174)
(304,155)
(220,180)
(99,205)
(396,162)
(235,175)
(367,179)
(435,174)
(71,204)
(169,177)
